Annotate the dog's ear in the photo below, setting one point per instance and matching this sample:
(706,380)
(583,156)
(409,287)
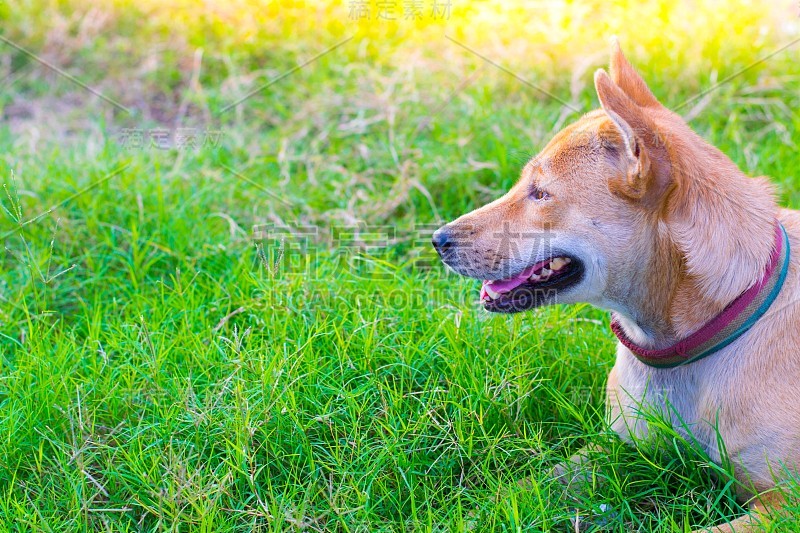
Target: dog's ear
(640,139)
(626,78)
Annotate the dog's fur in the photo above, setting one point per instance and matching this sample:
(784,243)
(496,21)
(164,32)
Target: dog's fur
(669,231)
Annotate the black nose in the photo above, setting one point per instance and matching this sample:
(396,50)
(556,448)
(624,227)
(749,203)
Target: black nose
(442,240)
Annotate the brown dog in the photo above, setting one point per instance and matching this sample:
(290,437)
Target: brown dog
(630,210)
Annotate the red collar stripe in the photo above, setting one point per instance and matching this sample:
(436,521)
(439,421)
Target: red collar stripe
(733,321)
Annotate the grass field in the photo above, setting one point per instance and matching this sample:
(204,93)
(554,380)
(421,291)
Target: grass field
(230,319)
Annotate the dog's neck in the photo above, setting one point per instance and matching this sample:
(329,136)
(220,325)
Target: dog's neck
(710,244)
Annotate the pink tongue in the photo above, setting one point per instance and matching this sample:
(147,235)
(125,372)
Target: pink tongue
(507,285)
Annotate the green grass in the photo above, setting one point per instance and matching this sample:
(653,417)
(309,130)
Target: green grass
(163,366)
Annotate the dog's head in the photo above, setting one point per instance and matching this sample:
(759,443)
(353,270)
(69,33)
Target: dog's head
(589,215)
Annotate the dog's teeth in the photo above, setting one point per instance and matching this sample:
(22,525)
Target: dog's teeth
(546,272)
(557,263)
(492,293)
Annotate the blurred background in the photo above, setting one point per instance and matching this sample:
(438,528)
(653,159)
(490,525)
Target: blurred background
(363,111)
(377,125)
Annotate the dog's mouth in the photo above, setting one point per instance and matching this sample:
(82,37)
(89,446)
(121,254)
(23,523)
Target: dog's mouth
(535,286)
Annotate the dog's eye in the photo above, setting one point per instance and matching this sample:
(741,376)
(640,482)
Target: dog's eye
(539,194)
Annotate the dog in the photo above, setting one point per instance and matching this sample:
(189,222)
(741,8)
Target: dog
(630,210)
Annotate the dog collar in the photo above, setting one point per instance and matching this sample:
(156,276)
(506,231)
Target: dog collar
(726,327)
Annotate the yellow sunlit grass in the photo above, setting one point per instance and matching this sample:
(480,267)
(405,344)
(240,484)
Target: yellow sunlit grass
(553,39)
(549,33)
